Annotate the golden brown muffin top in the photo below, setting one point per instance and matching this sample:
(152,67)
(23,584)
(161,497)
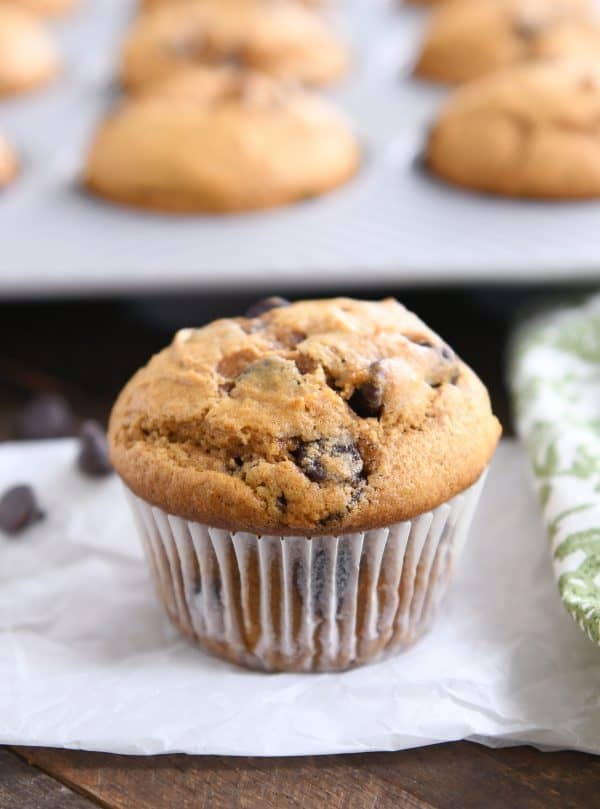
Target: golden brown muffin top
(8,162)
(220,140)
(467,39)
(279,37)
(530,131)
(28,57)
(318,417)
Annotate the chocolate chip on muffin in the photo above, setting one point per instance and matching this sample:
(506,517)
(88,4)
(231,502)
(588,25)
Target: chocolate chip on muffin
(367,399)
(330,460)
(265,305)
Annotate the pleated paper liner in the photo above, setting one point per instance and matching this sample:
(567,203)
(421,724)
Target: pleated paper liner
(294,603)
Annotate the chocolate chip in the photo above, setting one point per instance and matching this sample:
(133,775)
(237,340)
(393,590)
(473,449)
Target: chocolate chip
(45,416)
(367,399)
(305,364)
(93,457)
(447,353)
(265,305)
(282,502)
(18,509)
(528,29)
(327,460)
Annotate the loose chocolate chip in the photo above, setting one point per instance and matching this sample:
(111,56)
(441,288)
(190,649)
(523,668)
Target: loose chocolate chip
(265,305)
(45,416)
(93,453)
(18,509)
(326,460)
(367,399)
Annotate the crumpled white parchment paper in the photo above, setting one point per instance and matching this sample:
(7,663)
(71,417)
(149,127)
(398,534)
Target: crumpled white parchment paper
(87,659)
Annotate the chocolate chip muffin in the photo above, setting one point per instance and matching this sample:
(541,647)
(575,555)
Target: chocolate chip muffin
(28,58)
(219,140)
(8,163)
(303,478)
(46,8)
(531,131)
(466,39)
(278,37)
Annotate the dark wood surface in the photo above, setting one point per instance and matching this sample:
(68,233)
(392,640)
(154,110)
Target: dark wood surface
(87,351)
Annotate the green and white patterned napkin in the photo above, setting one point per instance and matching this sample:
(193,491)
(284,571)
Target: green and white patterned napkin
(555,380)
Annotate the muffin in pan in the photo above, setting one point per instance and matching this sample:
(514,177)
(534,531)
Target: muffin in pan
(8,163)
(45,8)
(280,38)
(303,479)
(148,5)
(219,141)
(530,131)
(467,39)
(28,58)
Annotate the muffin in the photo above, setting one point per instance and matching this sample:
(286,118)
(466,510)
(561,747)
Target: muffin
(303,479)
(277,37)
(531,131)
(468,39)
(8,163)
(46,8)
(28,58)
(221,141)
(147,5)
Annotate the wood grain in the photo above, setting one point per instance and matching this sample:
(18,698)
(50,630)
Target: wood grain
(452,776)
(25,787)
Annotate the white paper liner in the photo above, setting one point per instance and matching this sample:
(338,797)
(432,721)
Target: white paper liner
(293,603)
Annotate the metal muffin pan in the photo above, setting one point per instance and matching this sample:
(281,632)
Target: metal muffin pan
(394,224)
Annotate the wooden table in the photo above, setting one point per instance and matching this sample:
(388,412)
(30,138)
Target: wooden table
(87,351)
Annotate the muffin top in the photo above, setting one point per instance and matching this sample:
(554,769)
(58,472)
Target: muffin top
(314,418)
(43,7)
(530,131)
(279,37)
(28,57)
(467,39)
(220,140)
(8,162)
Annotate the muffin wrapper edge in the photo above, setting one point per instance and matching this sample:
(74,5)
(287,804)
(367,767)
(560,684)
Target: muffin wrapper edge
(294,603)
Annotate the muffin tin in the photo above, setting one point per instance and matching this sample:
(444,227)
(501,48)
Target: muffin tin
(394,224)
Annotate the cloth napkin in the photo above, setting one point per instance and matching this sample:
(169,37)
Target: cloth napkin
(554,376)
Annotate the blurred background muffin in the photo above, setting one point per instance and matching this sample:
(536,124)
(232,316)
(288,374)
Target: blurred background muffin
(8,162)
(281,38)
(529,131)
(48,8)
(221,140)
(28,57)
(466,39)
